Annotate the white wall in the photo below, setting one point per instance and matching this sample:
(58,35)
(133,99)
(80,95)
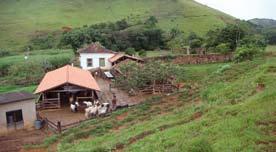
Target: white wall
(28,112)
(96,60)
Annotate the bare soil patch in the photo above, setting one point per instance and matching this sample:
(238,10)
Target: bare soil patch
(14,141)
(122,116)
(64,115)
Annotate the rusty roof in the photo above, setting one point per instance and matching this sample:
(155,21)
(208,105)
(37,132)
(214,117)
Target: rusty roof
(120,55)
(67,75)
(95,48)
(15,97)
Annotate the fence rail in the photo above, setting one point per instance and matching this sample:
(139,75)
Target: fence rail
(49,104)
(58,127)
(161,88)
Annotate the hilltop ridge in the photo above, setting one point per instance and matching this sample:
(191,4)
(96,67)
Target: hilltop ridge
(22,19)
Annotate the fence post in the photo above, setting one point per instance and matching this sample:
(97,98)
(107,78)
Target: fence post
(59,127)
(46,124)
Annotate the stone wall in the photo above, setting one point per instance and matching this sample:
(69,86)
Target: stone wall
(194,59)
(203,59)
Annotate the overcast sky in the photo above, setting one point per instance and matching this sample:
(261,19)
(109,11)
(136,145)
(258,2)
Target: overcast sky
(244,9)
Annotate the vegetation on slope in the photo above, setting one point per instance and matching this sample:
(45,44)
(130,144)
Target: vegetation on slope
(266,23)
(224,107)
(23,19)
(18,74)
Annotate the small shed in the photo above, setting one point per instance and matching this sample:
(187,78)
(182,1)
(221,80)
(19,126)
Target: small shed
(65,85)
(17,110)
(120,57)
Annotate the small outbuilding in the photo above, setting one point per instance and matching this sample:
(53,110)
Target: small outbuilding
(17,110)
(63,86)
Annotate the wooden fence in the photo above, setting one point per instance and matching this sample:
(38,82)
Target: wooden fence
(57,127)
(48,104)
(159,88)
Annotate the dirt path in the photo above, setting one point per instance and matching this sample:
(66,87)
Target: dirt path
(269,128)
(122,97)
(14,141)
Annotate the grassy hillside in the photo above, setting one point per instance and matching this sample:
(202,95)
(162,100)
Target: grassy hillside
(222,110)
(20,19)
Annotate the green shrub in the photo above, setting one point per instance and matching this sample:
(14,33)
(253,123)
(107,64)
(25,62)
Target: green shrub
(223,48)
(246,53)
(4,52)
(43,41)
(200,145)
(142,53)
(27,73)
(223,68)
(130,51)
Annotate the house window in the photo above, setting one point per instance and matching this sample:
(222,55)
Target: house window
(102,62)
(14,118)
(89,62)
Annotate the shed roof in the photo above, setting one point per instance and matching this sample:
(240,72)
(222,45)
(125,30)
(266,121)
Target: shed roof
(121,55)
(95,48)
(15,97)
(67,75)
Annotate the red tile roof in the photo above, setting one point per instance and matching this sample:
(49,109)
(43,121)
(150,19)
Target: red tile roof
(95,48)
(67,74)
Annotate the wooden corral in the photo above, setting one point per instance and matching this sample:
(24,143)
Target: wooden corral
(60,96)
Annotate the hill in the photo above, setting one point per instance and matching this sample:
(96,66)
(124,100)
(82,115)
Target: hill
(22,19)
(265,23)
(225,107)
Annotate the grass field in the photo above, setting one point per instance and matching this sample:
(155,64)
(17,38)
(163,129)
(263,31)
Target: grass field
(20,19)
(223,109)
(54,57)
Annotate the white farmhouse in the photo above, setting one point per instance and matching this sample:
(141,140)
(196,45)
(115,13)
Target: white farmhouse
(96,56)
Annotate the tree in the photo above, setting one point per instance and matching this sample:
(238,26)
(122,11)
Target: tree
(121,25)
(175,32)
(231,34)
(176,39)
(193,36)
(151,21)
(76,38)
(195,43)
(254,40)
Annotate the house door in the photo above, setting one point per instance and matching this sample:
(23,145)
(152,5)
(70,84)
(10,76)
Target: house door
(14,119)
